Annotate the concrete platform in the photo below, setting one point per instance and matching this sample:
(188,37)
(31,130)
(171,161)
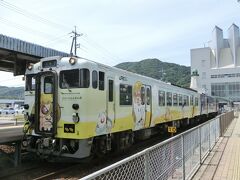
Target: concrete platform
(10,134)
(223,162)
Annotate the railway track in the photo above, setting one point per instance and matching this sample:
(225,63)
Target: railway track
(40,170)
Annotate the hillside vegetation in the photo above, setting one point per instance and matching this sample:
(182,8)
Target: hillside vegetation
(11,92)
(168,72)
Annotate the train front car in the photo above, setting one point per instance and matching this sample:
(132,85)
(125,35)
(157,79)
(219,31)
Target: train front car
(54,89)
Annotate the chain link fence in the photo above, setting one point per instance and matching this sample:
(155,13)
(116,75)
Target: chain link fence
(176,158)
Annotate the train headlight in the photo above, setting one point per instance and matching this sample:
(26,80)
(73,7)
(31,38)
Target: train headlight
(29,66)
(75,118)
(72,60)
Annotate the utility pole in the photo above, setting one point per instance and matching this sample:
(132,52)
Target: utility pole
(75,45)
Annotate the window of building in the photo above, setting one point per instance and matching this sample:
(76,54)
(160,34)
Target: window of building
(101,80)
(203,75)
(94,79)
(169,99)
(161,98)
(125,94)
(175,99)
(203,63)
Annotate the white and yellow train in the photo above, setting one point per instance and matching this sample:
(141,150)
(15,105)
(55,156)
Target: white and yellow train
(75,107)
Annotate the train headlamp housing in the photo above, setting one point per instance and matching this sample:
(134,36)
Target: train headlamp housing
(75,117)
(30,66)
(72,60)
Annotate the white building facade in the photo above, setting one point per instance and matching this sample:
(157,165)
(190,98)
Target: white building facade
(218,65)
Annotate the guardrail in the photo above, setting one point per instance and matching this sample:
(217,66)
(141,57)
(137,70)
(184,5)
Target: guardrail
(176,158)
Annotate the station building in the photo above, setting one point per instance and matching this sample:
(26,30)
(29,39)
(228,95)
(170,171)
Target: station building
(218,65)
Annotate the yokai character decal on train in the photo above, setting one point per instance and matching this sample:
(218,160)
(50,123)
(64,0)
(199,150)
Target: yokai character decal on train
(104,124)
(138,105)
(46,114)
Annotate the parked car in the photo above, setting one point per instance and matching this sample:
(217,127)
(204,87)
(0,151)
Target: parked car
(8,111)
(19,110)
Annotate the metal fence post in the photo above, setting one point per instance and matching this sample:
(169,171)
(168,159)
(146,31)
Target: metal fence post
(183,157)
(200,145)
(146,165)
(209,142)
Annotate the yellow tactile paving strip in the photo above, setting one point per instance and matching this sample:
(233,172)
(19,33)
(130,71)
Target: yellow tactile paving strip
(223,162)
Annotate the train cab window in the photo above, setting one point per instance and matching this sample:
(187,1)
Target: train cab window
(48,85)
(191,100)
(186,100)
(161,98)
(180,100)
(30,82)
(84,78)
(175,99)
(143,95)
(69,79)
(101,80)
(169,99)
(94,79)
(196,101)
(125,94)
(74,78)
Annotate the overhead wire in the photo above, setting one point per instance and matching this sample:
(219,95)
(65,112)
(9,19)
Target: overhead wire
(31,15)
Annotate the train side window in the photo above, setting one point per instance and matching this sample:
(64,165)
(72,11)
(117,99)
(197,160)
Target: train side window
(143,95)
(180,102)
(196,101)
(169,99)
(69,79)
(191,100)
(101,80)
(84,78)
(175,99)
(110,90)
(48,85)
(125,94)
(186,100)
(94,79)
(30,82)
(161,98)
(148,96)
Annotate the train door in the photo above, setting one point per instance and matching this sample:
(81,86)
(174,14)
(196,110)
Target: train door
(148,105)
(46,103)
(111,101)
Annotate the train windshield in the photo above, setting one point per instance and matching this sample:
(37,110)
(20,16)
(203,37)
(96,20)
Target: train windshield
(30,82)
(74,78)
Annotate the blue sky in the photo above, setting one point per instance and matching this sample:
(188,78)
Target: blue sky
(116,31)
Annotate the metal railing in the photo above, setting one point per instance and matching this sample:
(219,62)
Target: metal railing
(176,158)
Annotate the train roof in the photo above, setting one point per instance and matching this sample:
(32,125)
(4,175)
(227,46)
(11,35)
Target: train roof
(125,72)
